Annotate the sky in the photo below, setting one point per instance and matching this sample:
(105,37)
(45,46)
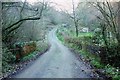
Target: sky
(65,5)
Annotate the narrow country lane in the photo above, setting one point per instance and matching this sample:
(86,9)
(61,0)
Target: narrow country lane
(58,62)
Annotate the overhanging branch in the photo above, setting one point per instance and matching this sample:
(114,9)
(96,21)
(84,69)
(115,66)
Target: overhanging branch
(30,18)
(34,18)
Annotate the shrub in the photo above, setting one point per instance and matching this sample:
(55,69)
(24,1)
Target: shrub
(23,49)
(28,48)
(75,41)
(7,59)
(110,55)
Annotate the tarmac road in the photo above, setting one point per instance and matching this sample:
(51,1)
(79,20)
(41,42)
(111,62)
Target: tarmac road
(57,62)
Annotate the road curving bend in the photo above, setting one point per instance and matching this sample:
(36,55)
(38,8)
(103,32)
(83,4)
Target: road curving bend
(57,62)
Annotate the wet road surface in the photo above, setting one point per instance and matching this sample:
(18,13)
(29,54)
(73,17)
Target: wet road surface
(57,62)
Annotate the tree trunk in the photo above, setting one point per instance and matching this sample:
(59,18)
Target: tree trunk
(76,29)
(75,21)
(118,36)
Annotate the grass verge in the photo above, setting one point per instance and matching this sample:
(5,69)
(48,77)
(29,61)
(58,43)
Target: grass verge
(109,71)
(42,47)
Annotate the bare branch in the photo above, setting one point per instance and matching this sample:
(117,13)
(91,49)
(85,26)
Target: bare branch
(21,20)
(32,9)
(23,6)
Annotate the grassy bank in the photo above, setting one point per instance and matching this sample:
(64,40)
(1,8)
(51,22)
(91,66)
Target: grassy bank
(42,46)
(12,68)
(78,44)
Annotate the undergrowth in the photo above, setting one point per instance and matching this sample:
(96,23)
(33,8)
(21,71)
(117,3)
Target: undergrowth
(91,58)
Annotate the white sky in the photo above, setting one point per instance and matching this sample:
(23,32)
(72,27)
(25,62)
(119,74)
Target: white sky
(66,4)
(59,4)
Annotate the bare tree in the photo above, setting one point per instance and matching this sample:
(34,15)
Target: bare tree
(12,27)
(75,19)
(109,31)
(109,18)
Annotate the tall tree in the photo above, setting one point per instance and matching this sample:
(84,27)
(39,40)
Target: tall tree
(74,18)
(7,31)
